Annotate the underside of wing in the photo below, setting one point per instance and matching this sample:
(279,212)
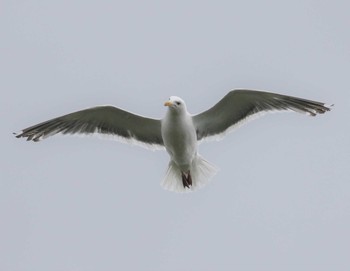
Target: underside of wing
(106,120)
(239,106)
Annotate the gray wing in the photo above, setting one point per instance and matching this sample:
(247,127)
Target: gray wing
(239,105)
(101,119)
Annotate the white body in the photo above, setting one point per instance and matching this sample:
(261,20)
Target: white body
(180,139)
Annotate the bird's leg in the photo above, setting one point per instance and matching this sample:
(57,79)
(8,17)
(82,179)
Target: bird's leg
(189,179)
(186,179)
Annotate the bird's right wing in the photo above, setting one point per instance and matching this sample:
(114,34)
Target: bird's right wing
(109,120)
(240,105)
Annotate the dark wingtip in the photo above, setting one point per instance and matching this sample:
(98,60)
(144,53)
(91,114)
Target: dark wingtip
(323,109)
(326,108)
(17,135)
(329,106)
(25,135)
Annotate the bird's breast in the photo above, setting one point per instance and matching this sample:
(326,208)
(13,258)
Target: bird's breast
(180,139)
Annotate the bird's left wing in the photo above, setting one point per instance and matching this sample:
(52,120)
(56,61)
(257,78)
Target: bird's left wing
(240,105)
(108,120)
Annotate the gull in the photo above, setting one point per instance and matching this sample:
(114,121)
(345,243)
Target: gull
(179,132)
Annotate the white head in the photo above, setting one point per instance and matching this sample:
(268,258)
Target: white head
(176,104)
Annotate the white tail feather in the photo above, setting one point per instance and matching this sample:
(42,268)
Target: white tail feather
(201,172)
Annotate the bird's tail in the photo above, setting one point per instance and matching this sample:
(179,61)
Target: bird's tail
(201,172)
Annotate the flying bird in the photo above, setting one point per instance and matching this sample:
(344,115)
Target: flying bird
(179,132)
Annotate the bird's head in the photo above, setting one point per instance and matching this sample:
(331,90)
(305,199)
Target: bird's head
(176,104)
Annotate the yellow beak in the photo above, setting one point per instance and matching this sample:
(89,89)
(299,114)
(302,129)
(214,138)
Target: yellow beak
(168,103)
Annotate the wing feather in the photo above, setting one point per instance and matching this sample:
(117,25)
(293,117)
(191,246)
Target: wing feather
(241,105)
(107,120)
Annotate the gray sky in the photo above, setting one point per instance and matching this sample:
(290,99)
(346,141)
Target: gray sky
(281,200)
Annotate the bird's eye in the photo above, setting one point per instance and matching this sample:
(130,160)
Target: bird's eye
(177,103)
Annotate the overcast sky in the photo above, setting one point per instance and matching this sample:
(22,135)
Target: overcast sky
(281,200)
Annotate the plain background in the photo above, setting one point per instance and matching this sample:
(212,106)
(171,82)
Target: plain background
(281,200)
